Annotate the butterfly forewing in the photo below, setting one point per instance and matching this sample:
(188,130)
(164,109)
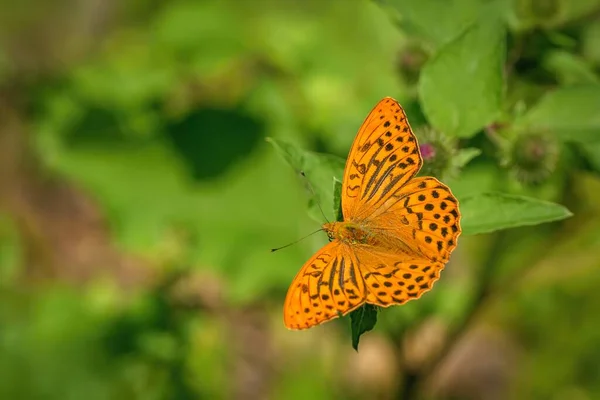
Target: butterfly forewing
(383,157)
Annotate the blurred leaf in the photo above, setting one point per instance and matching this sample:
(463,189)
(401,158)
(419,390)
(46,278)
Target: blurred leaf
(147,194)
(337,199)
(319,169)
(461,88)
(10,250)
(362,320)
(423,17)
(307,380)
(488,212)
(563,40)
(127,79)
(571,10)
(158,345)
(464,156)
(49,325)
(569,68)
(196,28)
(547,14)
(591,42)
(592,153)
(571,113)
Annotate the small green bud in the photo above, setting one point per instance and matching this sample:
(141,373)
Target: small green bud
(411,59)
(532,157)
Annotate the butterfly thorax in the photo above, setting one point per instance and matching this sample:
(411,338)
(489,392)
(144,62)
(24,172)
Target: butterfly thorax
(348,232)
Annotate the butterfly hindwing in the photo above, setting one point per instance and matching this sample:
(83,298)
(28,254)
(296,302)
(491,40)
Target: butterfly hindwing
(395,278)
(423,215)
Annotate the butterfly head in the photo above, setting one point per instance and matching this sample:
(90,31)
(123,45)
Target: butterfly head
(331,228)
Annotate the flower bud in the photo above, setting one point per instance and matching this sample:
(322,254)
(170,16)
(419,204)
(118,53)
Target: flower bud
(411,59)
(437,151)
(532,157)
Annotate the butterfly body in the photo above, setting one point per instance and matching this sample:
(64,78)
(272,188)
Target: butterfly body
(349,232)
(398,230)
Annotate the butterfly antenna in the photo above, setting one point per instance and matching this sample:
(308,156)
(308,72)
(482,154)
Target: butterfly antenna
(287,245)
(314,195)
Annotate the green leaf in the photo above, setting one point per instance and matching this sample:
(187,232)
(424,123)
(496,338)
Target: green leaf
(546,14)
(461,88)
(569,68)
(423,17)
(591,151)
(337,199)
(572,10)
(488,212)
(571,113)
(362,320)
(464,156)
(590,42)
(318,169)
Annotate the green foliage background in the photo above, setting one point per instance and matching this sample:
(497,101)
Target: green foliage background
(139,195)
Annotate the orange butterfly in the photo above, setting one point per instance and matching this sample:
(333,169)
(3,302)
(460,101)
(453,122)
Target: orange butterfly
(397,234)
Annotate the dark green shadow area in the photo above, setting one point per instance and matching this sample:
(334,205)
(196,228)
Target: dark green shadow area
(212,140)
(99,126)
(208,140)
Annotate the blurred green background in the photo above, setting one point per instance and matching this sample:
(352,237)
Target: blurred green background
(139,198)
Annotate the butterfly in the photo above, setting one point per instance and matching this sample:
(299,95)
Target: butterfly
(397,233)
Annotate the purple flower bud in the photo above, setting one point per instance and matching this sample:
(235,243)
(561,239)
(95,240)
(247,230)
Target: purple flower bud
(427,151)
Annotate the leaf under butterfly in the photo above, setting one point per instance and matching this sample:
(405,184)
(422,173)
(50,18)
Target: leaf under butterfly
(362,320)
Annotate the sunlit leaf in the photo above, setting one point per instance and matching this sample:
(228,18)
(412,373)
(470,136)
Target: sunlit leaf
(488,212)
(569,112)
(461,87)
